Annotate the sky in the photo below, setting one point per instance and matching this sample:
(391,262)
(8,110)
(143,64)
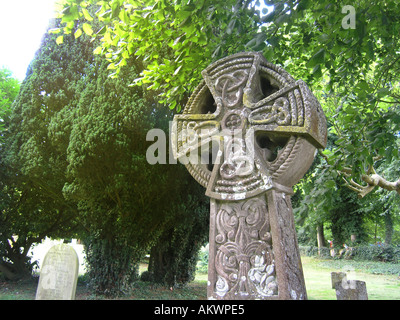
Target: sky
(22,25)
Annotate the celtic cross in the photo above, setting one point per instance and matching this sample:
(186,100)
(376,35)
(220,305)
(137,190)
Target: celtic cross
(247,134)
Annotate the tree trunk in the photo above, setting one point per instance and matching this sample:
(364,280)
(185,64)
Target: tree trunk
(112,264)
(388,228)
(8,273)
(18,265)
(320,237)
(159,262)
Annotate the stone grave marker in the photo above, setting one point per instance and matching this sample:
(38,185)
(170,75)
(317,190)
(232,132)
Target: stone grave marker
(338,277)
(348,289)
(248,133)
(58,274)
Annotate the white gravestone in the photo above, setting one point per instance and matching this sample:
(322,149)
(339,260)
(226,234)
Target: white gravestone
(59,274)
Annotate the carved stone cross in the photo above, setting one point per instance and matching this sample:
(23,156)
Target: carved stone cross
(247,134)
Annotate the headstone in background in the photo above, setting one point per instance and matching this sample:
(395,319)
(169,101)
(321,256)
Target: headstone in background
(348,289)
(59,274)
(337,277)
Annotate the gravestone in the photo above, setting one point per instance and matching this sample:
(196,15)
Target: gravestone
(348,289)
(248,133)
(58,274)
(337,277)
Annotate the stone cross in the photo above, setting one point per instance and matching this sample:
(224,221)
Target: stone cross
(248,133)
(58,274)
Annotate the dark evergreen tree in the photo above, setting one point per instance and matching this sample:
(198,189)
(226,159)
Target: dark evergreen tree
(78,146)
(33,167)
(346,218)
(173,258)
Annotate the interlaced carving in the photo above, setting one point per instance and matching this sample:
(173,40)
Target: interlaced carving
(277,113)
(244,259)
(260,128)
(250,95)
(230,87)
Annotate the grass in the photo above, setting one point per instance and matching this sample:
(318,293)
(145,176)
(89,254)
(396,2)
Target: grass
(317,273)
(19,290)
(382,286)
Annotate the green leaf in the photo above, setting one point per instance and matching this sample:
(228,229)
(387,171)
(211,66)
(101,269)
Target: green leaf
(87,28)
(115,7)
(231,26)
(382,92)
(330,184)
(70,13)
(111,66)
(98,50)
(107,37)
(78,33)
(317,71)
(317,58)
(177,70)
(87,15)
(123,16)
(60,39)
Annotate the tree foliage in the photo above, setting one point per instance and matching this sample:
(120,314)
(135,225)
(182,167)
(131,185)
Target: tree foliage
(9,88)
(34,164)
(124,202)
(77,154)
(175,40)
(348,55)
(354,71)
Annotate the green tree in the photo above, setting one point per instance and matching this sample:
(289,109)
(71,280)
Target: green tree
(78,146)
(354,72)
(383,208)
(171,37)
(174,257)
(9,88)
(125,203)
(120,196)
(34,166)
(11,268)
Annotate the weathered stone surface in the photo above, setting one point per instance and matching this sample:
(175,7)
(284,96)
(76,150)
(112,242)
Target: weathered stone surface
(242,262)
(59,274)
(348,289)
(352,290)
(271,122)
(337,278)
(248,134)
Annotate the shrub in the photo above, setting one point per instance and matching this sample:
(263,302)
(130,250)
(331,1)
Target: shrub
(377,253)
(359,253)
(112,265)
(312,251)
(202,262)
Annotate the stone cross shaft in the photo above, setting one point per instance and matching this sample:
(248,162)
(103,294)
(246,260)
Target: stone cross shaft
(247,134)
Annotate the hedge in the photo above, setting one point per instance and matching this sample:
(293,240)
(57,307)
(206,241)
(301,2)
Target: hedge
(361,253)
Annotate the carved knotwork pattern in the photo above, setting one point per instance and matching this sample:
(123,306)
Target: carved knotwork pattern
(244,261)
(246,93)
(230,88)
(266,127)
(277,113)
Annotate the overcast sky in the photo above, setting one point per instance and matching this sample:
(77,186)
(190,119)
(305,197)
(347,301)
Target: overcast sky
(22,25)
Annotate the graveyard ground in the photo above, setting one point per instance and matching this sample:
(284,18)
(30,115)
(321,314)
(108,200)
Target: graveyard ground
(383,283)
